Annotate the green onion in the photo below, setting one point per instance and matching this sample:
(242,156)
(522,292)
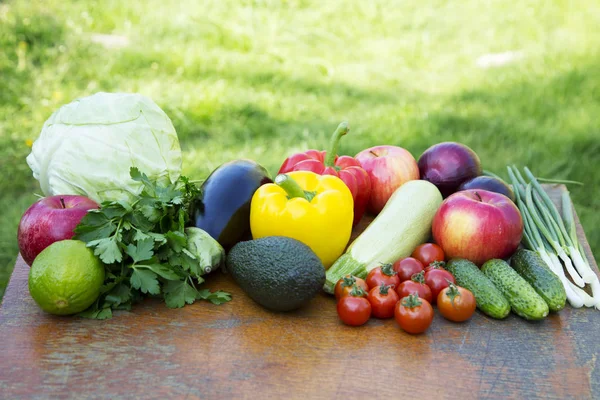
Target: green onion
(551,235)
(554,237)
(565,181)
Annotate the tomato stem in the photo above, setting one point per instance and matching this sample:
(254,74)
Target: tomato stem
(438,264)
(411,301)
(357,291)
(418,277)
(348,280)
(388,269)
(383,289)
(452,292)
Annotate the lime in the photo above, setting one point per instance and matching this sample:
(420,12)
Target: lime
(66,277)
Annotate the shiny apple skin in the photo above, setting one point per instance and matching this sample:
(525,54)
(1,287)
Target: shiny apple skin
(478,225)
(47,221)
(389,167)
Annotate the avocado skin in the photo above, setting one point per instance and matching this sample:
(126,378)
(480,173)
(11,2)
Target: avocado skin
(223,207)
(277,272)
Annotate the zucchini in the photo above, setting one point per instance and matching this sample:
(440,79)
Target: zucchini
(523,299)
(489,299)
(402,225)
(546,283)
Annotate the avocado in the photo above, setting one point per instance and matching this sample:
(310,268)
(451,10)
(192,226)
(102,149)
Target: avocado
(277,272)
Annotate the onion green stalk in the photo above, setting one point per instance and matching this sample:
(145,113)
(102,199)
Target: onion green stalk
(568,217)
(571,246)
(533,240)
(551,236)
(554,237)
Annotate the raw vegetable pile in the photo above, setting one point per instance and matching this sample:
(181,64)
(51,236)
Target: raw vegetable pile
(436,231)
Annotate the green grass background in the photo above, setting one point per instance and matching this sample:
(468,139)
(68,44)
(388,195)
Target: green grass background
(263,79)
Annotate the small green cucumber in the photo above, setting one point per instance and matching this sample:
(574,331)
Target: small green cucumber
(523,299)
(545,282)
(489,299)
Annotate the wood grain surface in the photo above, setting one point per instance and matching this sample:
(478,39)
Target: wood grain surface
(240,350)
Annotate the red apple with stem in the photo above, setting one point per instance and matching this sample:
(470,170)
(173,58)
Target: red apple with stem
(388,167)
(49,220)
(478,225)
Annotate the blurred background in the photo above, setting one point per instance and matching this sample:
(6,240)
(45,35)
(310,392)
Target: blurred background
(518,82)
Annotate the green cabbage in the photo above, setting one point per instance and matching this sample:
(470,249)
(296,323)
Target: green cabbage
(88,146)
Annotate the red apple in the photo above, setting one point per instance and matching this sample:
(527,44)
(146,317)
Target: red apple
(388,167)
(478,225)
(49,220)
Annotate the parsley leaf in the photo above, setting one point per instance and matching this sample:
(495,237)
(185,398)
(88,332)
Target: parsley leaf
(145,281)
(120,294)
(94,225)
(143,245)
(177,240)
(136,175)
(107,249)
(169,194)
(143,250)
(149,209)
(162,270)
(177,293)
(114,209)
(218,297)
(96,313)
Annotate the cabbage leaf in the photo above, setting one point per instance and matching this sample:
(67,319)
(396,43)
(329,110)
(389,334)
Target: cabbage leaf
(88,146)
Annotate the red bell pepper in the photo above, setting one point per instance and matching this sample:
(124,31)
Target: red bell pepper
(346,168)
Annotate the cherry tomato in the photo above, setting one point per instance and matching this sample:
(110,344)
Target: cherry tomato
(456,303)
(383,299)
(413,314)
(383,275)
(437,279)
(344,286)
(428,253)
(417,285)
(435,265)
(407,267)
(353,310)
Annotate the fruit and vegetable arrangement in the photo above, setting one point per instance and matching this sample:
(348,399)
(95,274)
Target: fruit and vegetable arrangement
(118,223)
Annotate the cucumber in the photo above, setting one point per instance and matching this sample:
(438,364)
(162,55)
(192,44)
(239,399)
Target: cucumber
(489,299)
(523,299)
(533,269)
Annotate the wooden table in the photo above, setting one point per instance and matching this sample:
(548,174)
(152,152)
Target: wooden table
(240,350)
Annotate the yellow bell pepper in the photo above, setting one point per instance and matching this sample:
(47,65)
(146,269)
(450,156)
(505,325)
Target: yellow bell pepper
(315,209)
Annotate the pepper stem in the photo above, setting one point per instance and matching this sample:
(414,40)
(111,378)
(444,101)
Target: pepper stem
(292,188)
(341,130)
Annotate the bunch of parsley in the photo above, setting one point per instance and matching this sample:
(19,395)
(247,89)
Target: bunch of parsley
(143,247)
